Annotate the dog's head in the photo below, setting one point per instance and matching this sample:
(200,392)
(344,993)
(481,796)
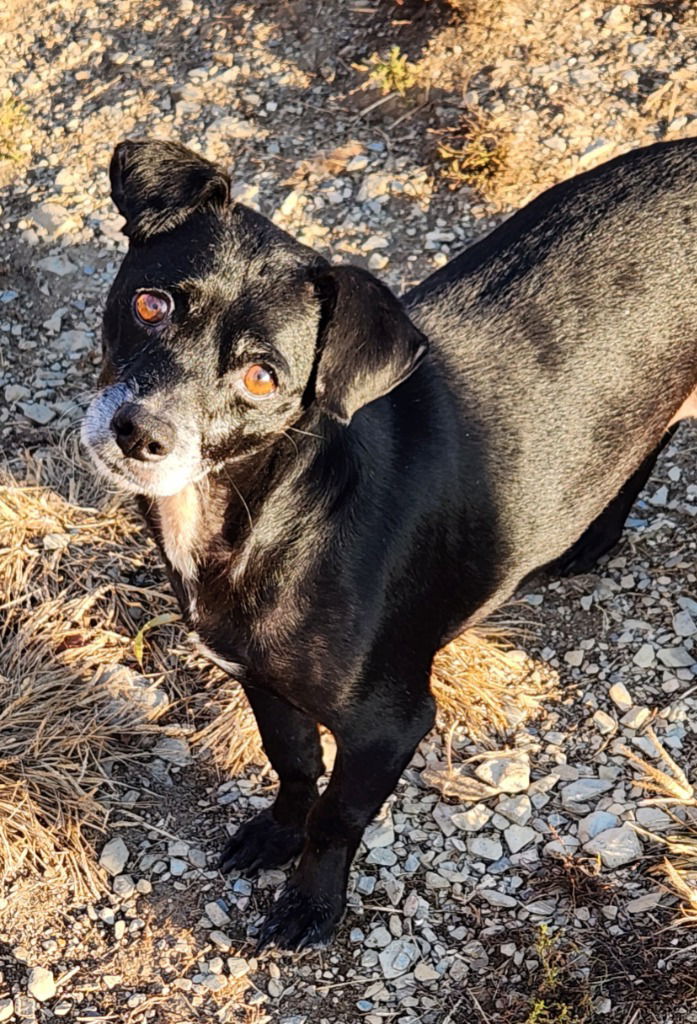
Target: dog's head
(220,330)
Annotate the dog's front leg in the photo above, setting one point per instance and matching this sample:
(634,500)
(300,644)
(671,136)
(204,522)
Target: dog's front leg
(373,748)
(291,742)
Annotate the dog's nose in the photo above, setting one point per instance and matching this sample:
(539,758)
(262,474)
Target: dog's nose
(141,435)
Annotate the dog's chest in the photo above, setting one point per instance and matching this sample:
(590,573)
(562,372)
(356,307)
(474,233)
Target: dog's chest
(180,525)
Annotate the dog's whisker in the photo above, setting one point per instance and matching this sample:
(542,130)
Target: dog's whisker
(246,506)
(307,433)
(292,441)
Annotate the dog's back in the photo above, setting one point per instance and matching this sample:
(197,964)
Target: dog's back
(553,324)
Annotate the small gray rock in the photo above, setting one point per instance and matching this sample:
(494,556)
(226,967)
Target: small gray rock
(635,718)
(221,940)
(216,914)
(507,772)
(379,834)
(675,657)
(498,899)
(398,957)
(473,819)
(616,846)
(114,856)
(684,624)
(485,847)
(61,266)
(518,836)
(620,696)
(595,823)
(584,790)
(645,657)
(603,722)
(38,412)
(41,984)
(173,750)
(517,809)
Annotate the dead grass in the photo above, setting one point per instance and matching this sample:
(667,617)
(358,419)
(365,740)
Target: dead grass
(486,687)
(77,582)
(677,796)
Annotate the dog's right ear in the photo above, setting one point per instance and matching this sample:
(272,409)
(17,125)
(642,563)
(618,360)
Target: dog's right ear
(157,185)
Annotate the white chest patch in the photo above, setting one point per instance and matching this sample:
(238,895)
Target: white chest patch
(180,526)
(233,668)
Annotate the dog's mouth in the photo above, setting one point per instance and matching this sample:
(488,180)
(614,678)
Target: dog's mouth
(161,478)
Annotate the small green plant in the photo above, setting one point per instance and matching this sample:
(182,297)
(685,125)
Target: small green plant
(394,73)
(558,999)
(474,152)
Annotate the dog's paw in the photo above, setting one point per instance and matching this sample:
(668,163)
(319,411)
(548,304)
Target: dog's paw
(299,920)
(261,843)
(578,562)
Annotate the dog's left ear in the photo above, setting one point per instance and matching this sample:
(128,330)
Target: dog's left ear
(157,185)
(367,343)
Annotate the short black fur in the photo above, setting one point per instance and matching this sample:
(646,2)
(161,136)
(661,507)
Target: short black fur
(326,540)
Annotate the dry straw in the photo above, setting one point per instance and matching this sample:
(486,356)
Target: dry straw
(78,581)
(672,790)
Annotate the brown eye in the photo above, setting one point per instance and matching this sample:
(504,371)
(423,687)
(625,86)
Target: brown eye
(151,308)
(259,381)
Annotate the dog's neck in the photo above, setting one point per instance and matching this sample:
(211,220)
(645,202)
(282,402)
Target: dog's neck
(180,524)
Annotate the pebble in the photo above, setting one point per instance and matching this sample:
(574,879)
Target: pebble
(675,657)
(38,412)
(473,819)
(114,856)
(25,1007)
(41,984)
(14,392)
(519,836)
(61,266)
(174,750)
(498,899)
(216,914)
(684,624)
(221,940)
(517,809)
(237,966)
(636,717)
(424,973)
(583,790)
(373,186)
(398,957)
(379,834)
(642,904)
(485,847)
(123,886)
(603,722)
(6,1009)
(616,846)
(645,657)
(595,823)
(509,772)
(620,696)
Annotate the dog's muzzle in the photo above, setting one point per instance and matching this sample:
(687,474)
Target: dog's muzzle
(137,447)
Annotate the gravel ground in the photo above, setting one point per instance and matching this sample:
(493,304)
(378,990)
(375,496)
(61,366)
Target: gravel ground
(527,899)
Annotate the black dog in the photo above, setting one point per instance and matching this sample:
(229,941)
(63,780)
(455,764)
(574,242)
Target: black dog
(340,481)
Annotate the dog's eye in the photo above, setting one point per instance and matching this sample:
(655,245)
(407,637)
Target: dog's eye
(259,381)
(152,308)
